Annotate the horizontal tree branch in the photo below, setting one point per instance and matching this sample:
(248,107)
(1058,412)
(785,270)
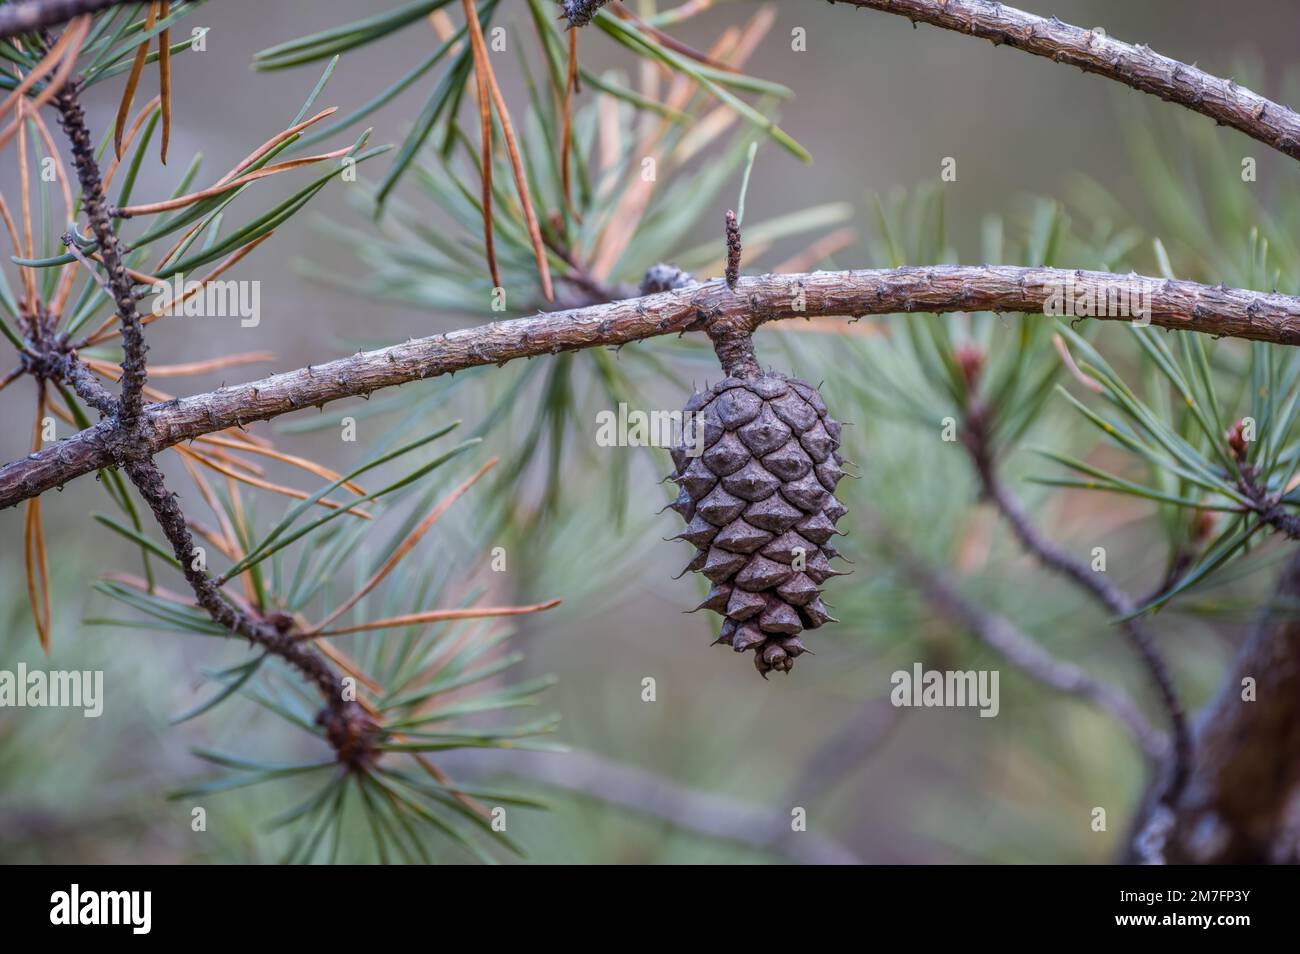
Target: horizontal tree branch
(1094,52)
(1216,310)
(16,18)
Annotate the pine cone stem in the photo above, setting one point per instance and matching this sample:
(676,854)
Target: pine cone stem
(734,347)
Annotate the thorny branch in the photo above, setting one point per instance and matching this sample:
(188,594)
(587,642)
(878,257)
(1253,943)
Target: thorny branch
(1093,51)
(17,18)
(1217,310)
(120,285)
(348,728)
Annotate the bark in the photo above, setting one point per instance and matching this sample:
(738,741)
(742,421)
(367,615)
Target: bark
(1216,310)
(73,120)
(1093,52)
(34,15)
(1240,805)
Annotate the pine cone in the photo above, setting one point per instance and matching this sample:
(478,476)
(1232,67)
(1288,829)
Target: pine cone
(757,467)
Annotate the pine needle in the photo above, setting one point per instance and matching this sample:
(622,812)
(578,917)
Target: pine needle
(132,81)
(212,364)
(38,571)
(253,481)
(405,547)
(275,140)
(566,136)
(437,616)
(301,462)
(68,273)
(105,330)
(479,46)
(67,46)
(484,102)
(25,206)
(165,79)
(153,208)
(131,133)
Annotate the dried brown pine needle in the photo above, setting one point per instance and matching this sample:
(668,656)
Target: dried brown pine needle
(301,462)
(106,331)
(820,250)
(24,183)
(165,79)
(208,461)
(667,41)
(437,616)
(210,498)
(132,81)
(406,546)
(274,141)
(481,57)
(131,133)
(68,273)
(212,364)
(27,274)
(66,47)
(153,208)
(349,665)
(38,571)
(38,581)
(484,102)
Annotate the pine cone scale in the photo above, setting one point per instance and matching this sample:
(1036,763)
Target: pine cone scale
(760,509)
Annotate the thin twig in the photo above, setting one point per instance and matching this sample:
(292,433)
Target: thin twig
(1097,585)
(642,791)
(1013,644)
(73,120)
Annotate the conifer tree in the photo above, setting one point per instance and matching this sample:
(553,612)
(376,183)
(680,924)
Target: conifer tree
(1107,366)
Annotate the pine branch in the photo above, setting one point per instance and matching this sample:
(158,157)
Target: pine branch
(685,808)
(1215,310)
(1018,648)
(349,729)
(1092,51)
(1267,507)
(120,285)
(1239,807)
(1097,585)
(17,18)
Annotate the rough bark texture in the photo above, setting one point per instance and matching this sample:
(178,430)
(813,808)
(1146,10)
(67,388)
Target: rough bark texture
(1094,52)
(1216,310)
(1240,805)
(347,726)
(73,120)
(36,14)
